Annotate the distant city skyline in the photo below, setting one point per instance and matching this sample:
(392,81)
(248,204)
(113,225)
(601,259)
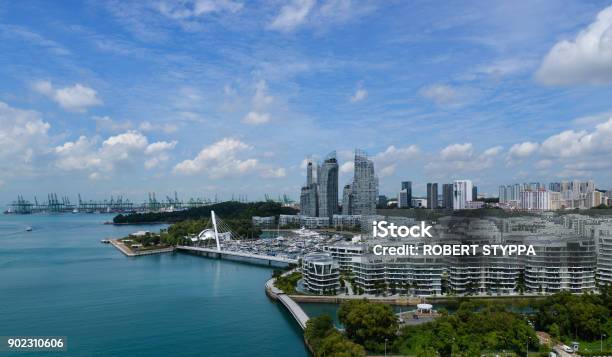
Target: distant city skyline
(229,98)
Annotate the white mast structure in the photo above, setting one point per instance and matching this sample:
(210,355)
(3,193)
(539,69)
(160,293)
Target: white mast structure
(214,221)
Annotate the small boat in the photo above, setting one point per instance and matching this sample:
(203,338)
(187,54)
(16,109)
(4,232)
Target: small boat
(28,229)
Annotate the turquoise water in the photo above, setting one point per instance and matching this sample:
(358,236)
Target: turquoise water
(60,280)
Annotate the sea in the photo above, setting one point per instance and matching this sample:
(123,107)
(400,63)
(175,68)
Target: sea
(59,280)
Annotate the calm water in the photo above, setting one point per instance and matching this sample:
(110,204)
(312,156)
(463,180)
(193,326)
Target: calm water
(60,280)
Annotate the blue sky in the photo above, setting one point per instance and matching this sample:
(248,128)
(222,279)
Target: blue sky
(213,97)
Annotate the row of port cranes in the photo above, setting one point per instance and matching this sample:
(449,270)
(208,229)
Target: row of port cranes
(118,204)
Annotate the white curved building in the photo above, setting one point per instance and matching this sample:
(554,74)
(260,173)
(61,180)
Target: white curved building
(320,273)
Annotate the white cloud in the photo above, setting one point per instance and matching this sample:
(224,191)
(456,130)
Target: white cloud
(292,15)
(444,95)
(347,167)
(457,158)
(126,150)
(76,98)
(523,149)
(219,160)
(179,10)
(274,173)
(299,13)
(393,154)
(107,124)
(359,95)
(571,144)
(260,102)
(587,59)
(457,152)
(255,118)
(387,170)
(22,134)
(167,128)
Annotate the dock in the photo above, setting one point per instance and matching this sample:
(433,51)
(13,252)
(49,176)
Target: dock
(266,260)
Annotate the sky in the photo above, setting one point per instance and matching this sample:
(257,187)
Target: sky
(229,97)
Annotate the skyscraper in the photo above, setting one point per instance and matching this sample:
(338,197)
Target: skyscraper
(407,185)
(347,200)
(474,193)
(432,195)
(309,196)
(462,193)
(327,179)
(447,195)
(365,185)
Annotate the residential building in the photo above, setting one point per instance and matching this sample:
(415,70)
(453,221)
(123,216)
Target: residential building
(432,195)
(327,182)
(347,200)
(365,185)
(462,193)
(320,273)
(447,196)
(407,185)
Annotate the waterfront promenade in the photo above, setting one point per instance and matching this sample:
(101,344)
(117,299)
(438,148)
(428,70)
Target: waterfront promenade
(238,256)
(296,311)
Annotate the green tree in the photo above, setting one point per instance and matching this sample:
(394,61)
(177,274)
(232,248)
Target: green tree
(368,324)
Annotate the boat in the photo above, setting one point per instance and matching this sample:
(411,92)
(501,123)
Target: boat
(28,229)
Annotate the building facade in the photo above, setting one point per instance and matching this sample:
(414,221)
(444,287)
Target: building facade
(365,186)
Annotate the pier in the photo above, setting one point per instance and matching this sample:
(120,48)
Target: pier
(266,260)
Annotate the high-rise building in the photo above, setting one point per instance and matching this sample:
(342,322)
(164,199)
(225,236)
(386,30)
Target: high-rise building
(462,193)
(382,201)
(432,195)
(327,179)
(365,186)
(309,196)
(474,193)
(347,200)
(447,195)
(402,199)
(407,185)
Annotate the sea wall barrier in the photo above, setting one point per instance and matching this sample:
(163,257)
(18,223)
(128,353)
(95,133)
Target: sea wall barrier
(238,256)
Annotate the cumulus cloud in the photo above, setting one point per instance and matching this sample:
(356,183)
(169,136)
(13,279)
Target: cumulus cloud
(359,95)
(347,167)
(75,98)
(572,143)
(22,134)
(126,150)
(444,95)
(586,59)
(463,158)
(395,154)
(457,152)
(219,160)
(523,149)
